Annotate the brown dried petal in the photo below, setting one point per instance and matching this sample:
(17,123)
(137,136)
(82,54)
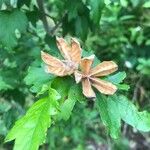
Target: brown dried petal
(87,89)
(76,51)
(104,68)
(86,64)
(70,52)
(58,71)
(50,60)
(64,48)
(103,86)
(56,66)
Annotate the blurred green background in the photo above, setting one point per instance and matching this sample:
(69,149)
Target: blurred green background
(112,29)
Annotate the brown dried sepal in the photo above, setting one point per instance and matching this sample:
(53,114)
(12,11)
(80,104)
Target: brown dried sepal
(89,77)
(72,57)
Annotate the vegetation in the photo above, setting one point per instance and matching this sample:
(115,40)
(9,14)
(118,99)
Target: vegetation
(42,111)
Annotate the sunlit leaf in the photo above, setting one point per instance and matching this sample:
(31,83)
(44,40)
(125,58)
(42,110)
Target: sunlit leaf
(30,131)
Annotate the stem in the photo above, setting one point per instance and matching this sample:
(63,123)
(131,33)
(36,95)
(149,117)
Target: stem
(50,31)
(43,16)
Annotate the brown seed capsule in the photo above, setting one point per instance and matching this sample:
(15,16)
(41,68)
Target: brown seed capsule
(89,77)
(70,52)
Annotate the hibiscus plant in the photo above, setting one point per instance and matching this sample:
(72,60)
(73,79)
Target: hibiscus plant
(76,77)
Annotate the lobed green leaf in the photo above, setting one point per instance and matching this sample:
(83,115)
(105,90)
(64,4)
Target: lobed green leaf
(34,124)
(36,77)
(115,108)
(117,79)
(11,21)
(109,114)
(74,95)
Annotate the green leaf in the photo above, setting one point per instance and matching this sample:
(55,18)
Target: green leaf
(1,2)
(3,85)
(11,21)
(6,81)
(36,77)
(4,1)
(20,3)
(3,129)
(53,97)
(117,78)
(146,4)
(33,125)
(33,16)
(72,7)
(96,10)
(136,3)
(51,41)
(114,108)
(4,106)
(62,85)
(144,66)
(67,107)
(130,114)
(109,114)
(124,3)
(124,87)
(81,27)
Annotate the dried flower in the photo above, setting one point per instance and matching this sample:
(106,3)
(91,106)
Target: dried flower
(72,57)
(89,77)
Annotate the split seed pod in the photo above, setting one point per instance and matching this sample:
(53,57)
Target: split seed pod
(71,54)
(89,77)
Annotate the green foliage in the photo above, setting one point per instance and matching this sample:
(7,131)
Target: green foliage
(82,16)
(11,21)
(96,8)
(144,66)
(108,107)
(74,95)
(78,129)
(117,79)
(146,4)
(112,30)
(34,124)
(63,90)
(4,2)
(36,77)
(9,113)
(109,115)
(3,85)
(130,114)
(115,108)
